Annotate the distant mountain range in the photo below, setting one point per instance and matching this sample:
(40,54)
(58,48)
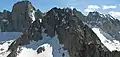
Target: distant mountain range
(58,33)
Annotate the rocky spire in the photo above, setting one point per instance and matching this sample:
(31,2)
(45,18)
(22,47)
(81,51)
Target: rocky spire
(22,15)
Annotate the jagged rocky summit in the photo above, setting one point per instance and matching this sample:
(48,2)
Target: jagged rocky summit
(67,32)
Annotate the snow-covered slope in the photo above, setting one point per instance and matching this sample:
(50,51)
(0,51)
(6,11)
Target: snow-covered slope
(4,48)
(29,52)
(5,45)
(105,26)
(112,45)
(52,45)
(26,52)
(51,48)
(6,38)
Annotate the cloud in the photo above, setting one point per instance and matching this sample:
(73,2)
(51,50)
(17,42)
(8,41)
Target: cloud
(109,7)
(88,10)
(115,14)
(92,8)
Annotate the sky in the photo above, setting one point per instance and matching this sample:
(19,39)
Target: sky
(85,6)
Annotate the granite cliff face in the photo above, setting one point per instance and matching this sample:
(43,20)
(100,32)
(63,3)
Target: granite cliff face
(70,27)
(21,15)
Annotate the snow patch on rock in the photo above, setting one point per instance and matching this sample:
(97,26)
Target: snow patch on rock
(4,48)
(112,45)
(29,52)
(32,15)
(57,48)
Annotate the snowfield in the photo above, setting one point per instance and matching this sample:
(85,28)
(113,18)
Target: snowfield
(52,48)
(112,45)
(57,49)
(28,52)
(4,47)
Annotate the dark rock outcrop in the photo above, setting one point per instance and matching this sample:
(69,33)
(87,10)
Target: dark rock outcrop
(106,22)
(20,18)
(21,13)
(78,38)
(5,21)
(40,49)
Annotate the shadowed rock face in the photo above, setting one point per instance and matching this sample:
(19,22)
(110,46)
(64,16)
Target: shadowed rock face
(105,22)
(78,38)
(5,21)
(21,15)
(19,19)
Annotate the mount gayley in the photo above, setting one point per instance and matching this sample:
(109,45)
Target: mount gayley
(58,33)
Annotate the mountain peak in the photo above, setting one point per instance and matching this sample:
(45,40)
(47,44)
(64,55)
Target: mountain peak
(61,32)
(23,13)
(95,13)
(23,2)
